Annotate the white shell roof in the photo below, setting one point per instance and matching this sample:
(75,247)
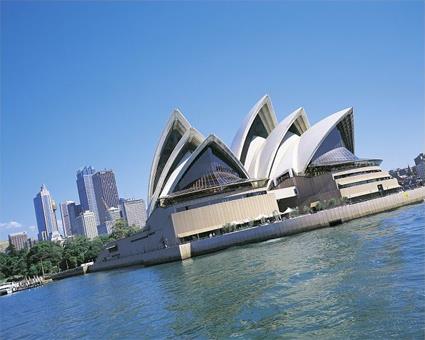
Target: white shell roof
(286,156)
(283,149)
(264,108)
(176,121)
(252,157)
(191,136)
(274,140)
(314,136)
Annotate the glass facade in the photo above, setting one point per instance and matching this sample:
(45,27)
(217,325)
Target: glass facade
(332,141)
(70,211)
(209,170)
(45,212)
(39,214)
(257,129)
(106,193)
(134,211)
(186,151)
(86,190)
(334,156)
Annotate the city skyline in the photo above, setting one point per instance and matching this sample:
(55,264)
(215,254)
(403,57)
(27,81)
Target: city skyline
(102,191)
(378,70)
(98,209)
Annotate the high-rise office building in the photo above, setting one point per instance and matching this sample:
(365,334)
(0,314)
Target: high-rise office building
(66,217)
(69,212)
(106,193)
(113,214)
(86,191)
(134,211)
(45,212)
(86,224)
(18,240)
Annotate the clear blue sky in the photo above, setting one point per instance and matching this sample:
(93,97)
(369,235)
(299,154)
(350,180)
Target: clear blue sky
(94,82)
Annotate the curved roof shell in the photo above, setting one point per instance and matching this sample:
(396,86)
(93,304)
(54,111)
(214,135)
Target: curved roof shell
(253,156)
(186,145)
(298,123)
(261,148)
(259,122)
(174,130)
(286,156)
(312,139)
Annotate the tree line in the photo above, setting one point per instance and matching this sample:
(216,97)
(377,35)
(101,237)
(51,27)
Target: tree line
(47,257)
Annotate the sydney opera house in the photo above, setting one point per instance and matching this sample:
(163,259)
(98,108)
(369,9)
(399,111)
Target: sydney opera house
(200,189)
(198,184)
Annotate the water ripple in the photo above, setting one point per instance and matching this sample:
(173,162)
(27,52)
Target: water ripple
(363,279)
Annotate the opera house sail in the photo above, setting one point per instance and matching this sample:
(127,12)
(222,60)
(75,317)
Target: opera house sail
(200,189)
(295,161)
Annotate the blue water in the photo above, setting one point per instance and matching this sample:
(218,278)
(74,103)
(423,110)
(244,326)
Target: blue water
(360,280)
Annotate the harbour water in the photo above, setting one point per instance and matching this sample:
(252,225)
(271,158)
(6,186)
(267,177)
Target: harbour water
(363,279)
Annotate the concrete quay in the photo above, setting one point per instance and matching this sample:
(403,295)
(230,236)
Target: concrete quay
(286,227)
(321,219)
(81,270)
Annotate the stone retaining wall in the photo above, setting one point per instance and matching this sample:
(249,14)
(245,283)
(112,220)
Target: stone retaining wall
(321,219)
(81,270)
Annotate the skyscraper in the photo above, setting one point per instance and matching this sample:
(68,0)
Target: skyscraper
(45,212)
(86,191)
(69,212)
(18,240)
(106,193)
(86,224)
(113,214)
(134,211)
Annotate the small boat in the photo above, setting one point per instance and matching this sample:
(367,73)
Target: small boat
(6,288)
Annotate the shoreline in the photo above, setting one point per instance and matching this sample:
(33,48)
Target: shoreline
(321,219)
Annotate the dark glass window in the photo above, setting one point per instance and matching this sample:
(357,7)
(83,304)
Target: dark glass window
(210,169)
(188,148)
(334,156)
(257,130)
(332,141)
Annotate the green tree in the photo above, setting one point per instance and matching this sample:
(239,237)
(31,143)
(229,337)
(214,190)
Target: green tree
(34,269)
(13,263)
(82,250)
(74,252)
(49,257)
(11,250)
(47,254)
(121,229)
(19,266)
(3,265)
(94,249)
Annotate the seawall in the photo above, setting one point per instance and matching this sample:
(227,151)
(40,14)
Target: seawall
(286,227)
(321,219)
(81,270)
